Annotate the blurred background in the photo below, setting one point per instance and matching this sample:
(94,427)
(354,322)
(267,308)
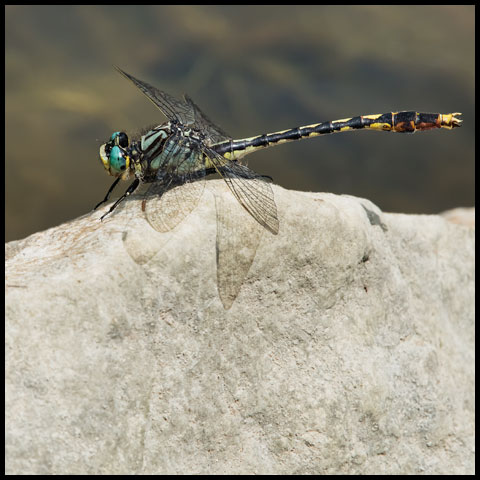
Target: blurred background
(253,70)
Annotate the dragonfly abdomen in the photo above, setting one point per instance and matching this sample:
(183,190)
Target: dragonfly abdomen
(400,122)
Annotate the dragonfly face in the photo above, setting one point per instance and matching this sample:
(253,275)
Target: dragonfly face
(115,156)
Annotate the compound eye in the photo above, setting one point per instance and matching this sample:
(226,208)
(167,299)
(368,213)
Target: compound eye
(118,162)
(119,138)
(123,139)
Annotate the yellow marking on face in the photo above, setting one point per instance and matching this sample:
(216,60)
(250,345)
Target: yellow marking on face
(103,157)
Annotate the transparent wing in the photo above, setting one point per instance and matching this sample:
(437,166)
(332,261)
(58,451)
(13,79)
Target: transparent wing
(171,107)
(214,133)
(252,190)
(238,237)
(168,204)
(177,190)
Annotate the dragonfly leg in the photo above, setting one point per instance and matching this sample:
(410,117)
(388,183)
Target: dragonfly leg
(133,186)
(110,190)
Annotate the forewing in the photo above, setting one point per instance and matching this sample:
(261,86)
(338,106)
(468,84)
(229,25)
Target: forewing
(214,133)
(171,107)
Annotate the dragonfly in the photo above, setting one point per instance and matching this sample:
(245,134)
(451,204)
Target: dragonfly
(189,146)
(173,159)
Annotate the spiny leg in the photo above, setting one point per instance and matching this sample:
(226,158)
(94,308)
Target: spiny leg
(133,186)
(110,190)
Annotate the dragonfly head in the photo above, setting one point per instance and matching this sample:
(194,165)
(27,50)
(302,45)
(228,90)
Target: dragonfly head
(115,157)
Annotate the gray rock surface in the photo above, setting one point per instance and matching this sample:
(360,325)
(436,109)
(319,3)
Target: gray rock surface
(349,348)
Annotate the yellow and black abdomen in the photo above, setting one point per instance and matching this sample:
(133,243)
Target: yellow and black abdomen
(401,122)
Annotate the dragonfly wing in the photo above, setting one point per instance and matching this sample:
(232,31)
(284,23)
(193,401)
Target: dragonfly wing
(214,133)
(178,187)
(238,237)
(168,204)
(171,107)
(252,190)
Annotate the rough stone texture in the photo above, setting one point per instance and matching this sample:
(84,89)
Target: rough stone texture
(349,349)
(462,216)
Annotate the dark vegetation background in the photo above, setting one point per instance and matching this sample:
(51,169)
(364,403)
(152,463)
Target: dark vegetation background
(252,69)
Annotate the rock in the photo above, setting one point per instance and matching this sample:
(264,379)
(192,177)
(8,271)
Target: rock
(349,348)
(462,216)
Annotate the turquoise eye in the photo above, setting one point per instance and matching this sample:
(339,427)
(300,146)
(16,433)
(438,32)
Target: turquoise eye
(119,138)
(115,155)
(118,161)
